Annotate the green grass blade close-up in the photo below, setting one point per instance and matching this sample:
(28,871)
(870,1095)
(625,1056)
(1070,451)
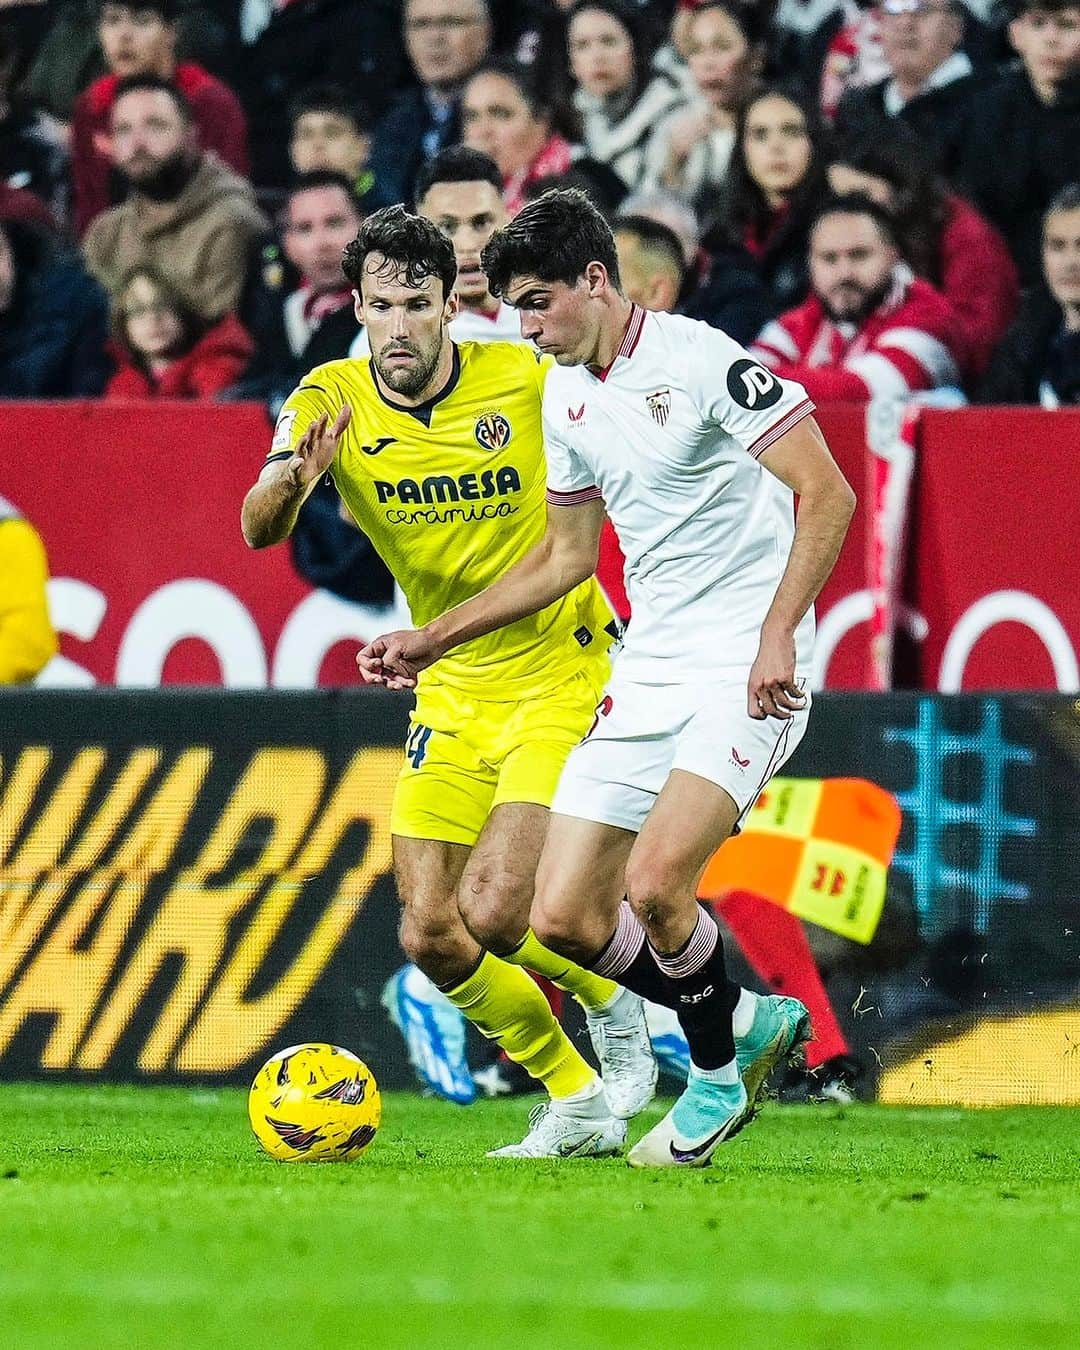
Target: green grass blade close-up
(147,1217)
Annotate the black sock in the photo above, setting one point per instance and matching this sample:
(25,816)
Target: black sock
(627,959)
(701,993)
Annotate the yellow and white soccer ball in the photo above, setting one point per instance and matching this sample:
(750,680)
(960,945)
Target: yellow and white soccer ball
(314,1103)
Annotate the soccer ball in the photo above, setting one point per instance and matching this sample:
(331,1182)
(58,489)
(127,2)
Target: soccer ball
(314,1103)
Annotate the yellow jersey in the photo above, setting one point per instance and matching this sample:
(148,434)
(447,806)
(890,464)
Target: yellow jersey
(452,494)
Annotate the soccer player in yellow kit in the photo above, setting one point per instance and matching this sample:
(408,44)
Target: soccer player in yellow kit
(436,450)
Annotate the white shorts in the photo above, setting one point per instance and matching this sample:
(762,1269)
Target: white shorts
(643,731)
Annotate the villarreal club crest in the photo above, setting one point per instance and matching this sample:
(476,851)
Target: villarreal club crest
(492,431)
(314,1103)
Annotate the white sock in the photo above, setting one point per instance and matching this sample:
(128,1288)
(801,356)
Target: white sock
(728,1074)
(587,1101)
(742,1019)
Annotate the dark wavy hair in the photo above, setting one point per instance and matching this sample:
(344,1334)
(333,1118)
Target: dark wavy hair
(634,21)
(745,206)
(553,238)
(411,245)
(919,205)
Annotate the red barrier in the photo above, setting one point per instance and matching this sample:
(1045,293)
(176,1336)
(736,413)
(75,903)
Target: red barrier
(139,508)
(993,567)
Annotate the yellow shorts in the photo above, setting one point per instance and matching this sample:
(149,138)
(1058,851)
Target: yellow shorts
(465,756)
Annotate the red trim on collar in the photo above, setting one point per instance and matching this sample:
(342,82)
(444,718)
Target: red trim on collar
(631,338)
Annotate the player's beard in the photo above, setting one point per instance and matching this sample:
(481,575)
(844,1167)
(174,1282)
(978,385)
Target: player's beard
(409,380)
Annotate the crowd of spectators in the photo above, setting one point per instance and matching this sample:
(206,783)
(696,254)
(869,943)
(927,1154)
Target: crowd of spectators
(878,198)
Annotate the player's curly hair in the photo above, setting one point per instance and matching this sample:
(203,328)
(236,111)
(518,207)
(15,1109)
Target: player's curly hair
(412,246)
(553,238)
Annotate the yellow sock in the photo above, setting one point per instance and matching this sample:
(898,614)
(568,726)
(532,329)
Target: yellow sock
(506,1006)
(593,992)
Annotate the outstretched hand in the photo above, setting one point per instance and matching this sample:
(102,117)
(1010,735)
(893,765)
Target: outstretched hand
(396,659)
(772,691)
(316,448)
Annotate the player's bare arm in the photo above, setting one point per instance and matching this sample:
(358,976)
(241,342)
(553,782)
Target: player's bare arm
(801,460)
(273,503)
(565,557)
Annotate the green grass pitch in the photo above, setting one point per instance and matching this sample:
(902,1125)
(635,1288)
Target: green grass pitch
(145,1217)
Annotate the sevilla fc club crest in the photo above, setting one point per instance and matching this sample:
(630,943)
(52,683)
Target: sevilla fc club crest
(659,404)
(492,430)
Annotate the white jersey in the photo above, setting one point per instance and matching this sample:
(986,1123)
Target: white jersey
(502,326)
(668,436)
(465,326)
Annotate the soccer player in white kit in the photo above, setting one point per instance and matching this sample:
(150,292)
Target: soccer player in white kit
(697,452)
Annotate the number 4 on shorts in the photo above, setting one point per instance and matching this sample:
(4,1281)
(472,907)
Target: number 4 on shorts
(416,745)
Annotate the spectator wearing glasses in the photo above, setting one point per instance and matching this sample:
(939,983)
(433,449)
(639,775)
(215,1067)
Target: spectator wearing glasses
(930,81)
(1038,360)
(445,40)
(164,350)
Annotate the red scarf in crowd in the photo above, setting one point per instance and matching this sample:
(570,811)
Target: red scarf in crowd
(554,157)
(317,306)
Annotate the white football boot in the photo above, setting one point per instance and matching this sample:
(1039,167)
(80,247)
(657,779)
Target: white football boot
(569,1129)
(628,1066)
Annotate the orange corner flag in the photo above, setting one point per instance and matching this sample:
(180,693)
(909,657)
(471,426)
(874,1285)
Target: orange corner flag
(819,847)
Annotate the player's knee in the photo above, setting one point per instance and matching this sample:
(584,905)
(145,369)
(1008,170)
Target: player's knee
(654,889)
(494,906)
(558,926)
(436,943)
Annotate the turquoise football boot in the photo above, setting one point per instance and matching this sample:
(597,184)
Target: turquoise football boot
(705,1116)
(780,1029)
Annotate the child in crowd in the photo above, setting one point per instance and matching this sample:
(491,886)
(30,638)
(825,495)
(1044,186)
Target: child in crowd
(163,350)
